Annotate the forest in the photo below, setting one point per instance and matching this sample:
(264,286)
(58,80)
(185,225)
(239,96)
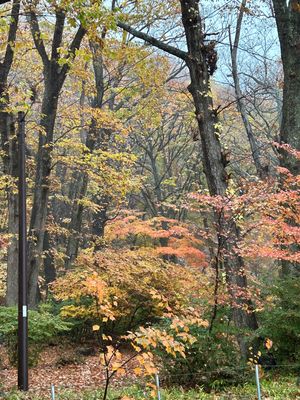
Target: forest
(162,167)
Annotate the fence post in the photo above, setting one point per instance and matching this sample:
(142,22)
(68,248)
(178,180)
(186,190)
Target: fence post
(257,382)
(157,386)
(52,392)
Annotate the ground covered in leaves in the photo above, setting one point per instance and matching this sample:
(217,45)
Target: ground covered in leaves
(64,367)
(81,377)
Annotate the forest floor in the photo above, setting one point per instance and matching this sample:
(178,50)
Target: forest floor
(80,377)
(64,367)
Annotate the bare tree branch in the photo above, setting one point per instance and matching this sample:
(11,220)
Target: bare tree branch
(154,42)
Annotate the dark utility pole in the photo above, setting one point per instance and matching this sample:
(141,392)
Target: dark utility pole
(23,308)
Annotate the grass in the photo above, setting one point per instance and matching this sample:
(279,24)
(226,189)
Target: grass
(273,387)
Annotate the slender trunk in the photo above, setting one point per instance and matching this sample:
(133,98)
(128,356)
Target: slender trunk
(260,165)
(58,211)
(12,252)
(76,222)
(96,139)
(100,217)
(99,139)
(10,147)
(49,267)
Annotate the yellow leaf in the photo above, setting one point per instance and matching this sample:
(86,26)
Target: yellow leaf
(268,344)
(138,371)
(96,328)
(121,371)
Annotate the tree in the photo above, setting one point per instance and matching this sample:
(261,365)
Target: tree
(287,15)
(261,168)
(54,77)
(9,148)
(167,158)
(201,59)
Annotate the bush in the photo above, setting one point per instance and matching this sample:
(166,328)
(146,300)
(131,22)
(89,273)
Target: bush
(43,328)
(212,361)
(122,290)
(280,320)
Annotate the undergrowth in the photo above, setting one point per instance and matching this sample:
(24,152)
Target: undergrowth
(273,388)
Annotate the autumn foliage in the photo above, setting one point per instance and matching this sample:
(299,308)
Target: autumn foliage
(162,201)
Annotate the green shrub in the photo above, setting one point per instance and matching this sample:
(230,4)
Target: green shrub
(212,361)
(43,328)
(280,320)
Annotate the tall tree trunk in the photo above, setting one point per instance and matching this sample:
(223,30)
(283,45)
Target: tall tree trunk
(287,15)
(213,159)
(49,267)
(54,75)
(99,138)
(201,62)
(76,221)
(96,139)
(41,189)
(9,148)
(58,211)
(77,192)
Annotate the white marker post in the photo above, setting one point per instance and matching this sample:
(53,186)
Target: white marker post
(52,392)
(257,382)
(158,386)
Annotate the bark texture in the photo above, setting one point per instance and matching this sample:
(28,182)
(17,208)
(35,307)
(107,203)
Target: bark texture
(287,15)
(96,139)
(9,148)
(213,160)
(11,170)
(54,76)
(201,62)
